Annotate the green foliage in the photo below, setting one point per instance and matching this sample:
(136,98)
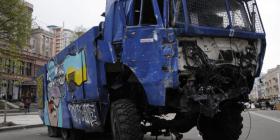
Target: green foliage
(80,30)
(11,64)
(15,22)
(15,29)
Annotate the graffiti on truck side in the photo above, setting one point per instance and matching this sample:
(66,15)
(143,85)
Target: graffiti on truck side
(64,77)
(84,114)
(76,70)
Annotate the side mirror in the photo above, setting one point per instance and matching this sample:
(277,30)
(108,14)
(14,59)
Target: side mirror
(103,14)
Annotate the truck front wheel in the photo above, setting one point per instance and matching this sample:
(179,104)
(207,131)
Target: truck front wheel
(125,121)
(71,134)
(226,125)
(53,131)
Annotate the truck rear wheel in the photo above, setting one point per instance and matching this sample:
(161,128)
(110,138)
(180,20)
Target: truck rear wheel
(226,125)
(125,121)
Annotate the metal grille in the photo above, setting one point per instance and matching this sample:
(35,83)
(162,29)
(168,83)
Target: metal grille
(212,13)
(239,16)
(180,13)
(256,18)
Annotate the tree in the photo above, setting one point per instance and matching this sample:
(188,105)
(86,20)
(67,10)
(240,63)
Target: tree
(15,22)
(10,64)
(80,30)
(15,29)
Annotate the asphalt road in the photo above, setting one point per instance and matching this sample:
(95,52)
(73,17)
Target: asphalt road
(265,125)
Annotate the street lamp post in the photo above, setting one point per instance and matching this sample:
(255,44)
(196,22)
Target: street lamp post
(6,108)
(278,78)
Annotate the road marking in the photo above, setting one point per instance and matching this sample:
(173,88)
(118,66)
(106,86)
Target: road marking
(266,117)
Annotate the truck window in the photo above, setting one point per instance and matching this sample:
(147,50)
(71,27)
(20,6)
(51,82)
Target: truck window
(176,14)
(240,18)
(205,13)
(136,12)
(148,16)
(161,6)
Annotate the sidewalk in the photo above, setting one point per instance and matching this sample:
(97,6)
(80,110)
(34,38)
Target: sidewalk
(15,108)
(22,121)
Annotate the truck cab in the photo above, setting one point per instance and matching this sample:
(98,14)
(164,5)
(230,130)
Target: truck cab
(167,42)
(189,56)
(195,59)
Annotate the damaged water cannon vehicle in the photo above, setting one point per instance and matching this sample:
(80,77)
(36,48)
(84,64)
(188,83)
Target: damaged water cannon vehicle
(195,59)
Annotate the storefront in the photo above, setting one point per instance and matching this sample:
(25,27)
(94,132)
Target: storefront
(29,90)
(16,90)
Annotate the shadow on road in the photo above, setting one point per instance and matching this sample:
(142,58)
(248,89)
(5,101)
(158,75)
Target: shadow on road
(98,136)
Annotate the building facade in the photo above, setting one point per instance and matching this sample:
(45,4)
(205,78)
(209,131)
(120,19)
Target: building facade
(42,42)
(17,72)
(267,86)
(18,68)
(272,83)
(62,38)
(258,91)
(68,37)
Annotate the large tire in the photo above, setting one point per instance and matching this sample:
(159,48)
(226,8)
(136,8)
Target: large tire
(226,125)
(53,131)
(71,134)
(125,121)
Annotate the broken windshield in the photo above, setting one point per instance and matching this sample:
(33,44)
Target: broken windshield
(212,13)
(239,15)
(226,14)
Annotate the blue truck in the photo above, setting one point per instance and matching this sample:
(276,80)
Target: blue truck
(193,59)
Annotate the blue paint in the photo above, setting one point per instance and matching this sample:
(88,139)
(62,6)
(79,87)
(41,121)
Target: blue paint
(60,114)
(147,60)
(46,114)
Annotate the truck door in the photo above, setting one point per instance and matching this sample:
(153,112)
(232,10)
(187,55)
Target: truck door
(141,31)
(145,50)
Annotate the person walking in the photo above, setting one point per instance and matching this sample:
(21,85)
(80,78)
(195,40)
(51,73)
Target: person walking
(27,102)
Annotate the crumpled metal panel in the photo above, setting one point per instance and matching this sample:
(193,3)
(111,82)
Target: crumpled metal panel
(152,56)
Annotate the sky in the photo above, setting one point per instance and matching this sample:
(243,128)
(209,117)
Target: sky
(73,13)
(87,13)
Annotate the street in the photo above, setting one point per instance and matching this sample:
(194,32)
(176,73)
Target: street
(265,126)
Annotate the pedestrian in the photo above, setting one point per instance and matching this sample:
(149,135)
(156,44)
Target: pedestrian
(27,102)
(24,103)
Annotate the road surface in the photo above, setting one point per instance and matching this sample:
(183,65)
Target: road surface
(265,126)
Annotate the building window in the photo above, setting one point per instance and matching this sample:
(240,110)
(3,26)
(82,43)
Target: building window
(28,69)
(21,68)
(2,64)
(13,67)
(7,66)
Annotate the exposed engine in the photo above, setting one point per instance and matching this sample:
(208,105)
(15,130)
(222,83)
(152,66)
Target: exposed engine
(213,70)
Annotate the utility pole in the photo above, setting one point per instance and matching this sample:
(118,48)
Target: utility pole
(278,78)
(6,108)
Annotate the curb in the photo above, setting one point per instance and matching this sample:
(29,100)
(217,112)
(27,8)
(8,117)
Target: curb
(11,110)
(20,114)
(20,127)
